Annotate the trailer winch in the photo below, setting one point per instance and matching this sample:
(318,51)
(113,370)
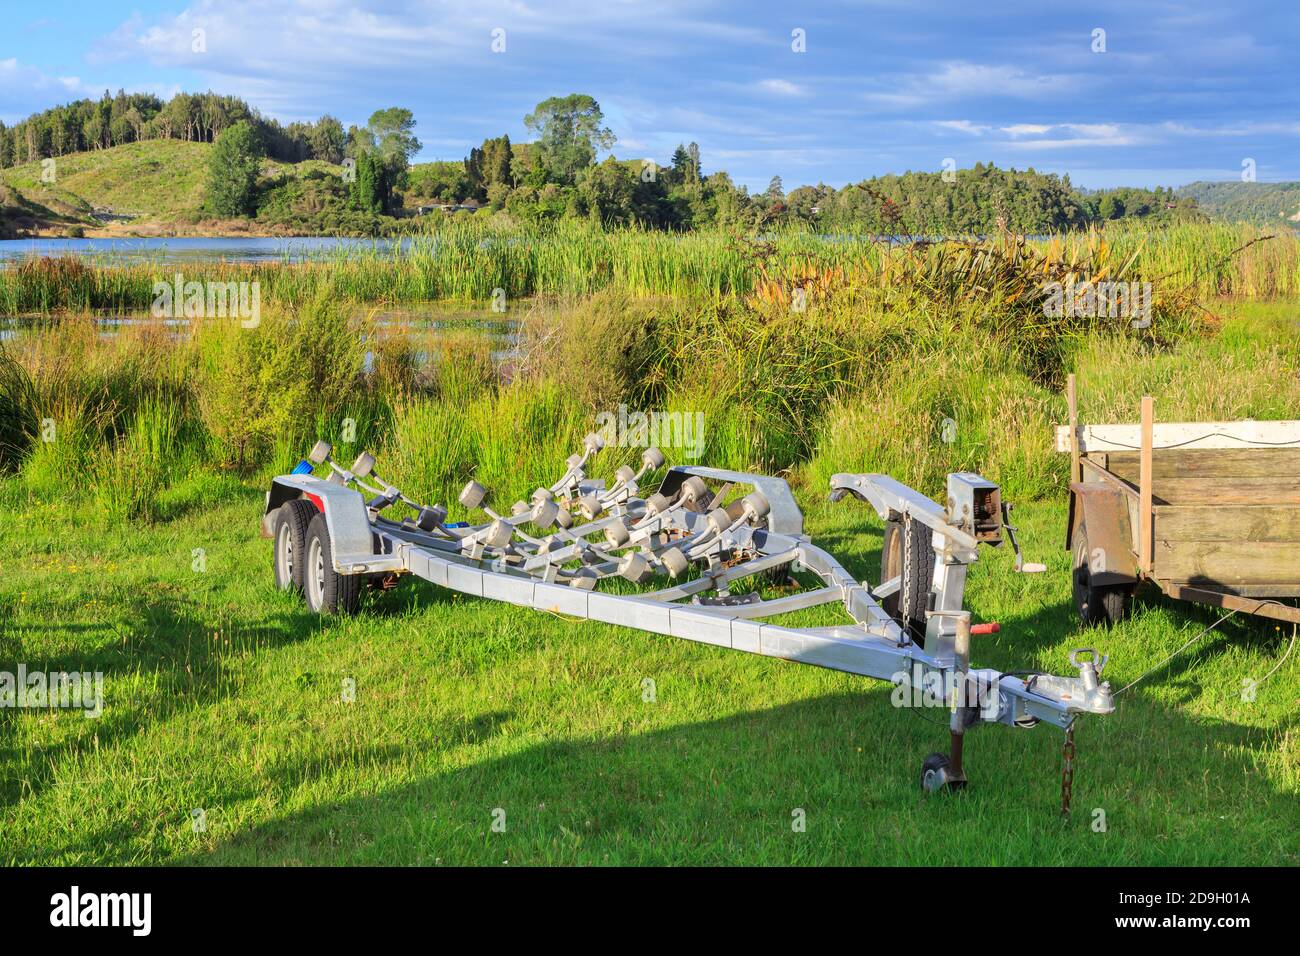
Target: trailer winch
(689,547)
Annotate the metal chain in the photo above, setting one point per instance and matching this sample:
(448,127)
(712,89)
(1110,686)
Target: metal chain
(904,584)
(1067,771)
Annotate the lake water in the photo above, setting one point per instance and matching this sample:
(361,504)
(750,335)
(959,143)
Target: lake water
(195,248)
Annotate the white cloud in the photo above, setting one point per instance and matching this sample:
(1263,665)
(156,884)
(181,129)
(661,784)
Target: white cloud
(960,78)
(1233,129)
(25,90)
(1025,129)
(1075,142)
(782,88)
(964,126)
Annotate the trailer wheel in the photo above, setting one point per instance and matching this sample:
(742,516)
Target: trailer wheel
(1097,603)
(920,561)
(290,535)
(327,591)
(934,775)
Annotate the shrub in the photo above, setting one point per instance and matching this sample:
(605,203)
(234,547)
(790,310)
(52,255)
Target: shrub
(268,385)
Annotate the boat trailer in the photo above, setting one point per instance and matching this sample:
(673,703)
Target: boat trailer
(676,563)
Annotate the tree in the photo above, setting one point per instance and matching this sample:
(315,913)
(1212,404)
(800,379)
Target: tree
(359,139)
(608,191)
(393,137)
(489,164)
(569,133)
(443,181)
(368,188)
(496,168)
(94,131)
(233,169)
(1111,207)
(681,164)
(775,189)
(693,153)
(327,140)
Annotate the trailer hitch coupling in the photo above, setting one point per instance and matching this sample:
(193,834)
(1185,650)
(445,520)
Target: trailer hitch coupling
(1085,692)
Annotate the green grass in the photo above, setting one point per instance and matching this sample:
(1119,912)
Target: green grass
(223,694)
(160,179)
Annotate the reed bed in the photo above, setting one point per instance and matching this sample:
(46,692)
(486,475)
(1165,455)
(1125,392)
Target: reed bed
(914,394)
(471,261)
(916,360)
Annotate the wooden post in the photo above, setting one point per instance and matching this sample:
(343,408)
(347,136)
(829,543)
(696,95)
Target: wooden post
(1075,474)
(1144,486)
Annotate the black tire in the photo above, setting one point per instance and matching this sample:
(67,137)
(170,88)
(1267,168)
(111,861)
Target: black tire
(1097,603)
(289,534)
(327,591)
(933,775)
(920,562)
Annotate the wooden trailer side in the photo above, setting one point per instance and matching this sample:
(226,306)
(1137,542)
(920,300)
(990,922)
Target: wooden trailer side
(1211,513)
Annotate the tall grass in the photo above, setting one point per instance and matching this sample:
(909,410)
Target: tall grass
(18,411)
(469,261)
(128,474)
(1247,367)
(968,407)
(511,439)
(926,369)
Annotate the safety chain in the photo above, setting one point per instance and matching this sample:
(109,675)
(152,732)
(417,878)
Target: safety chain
(905,605)
(1067,771)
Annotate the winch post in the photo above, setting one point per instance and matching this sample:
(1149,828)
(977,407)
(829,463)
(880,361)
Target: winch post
(961,692)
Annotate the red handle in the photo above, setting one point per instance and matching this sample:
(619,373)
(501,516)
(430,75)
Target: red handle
(992,627)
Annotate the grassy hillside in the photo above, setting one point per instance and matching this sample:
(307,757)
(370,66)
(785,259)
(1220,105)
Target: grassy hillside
(156,179)
(149,184)
(1262,203)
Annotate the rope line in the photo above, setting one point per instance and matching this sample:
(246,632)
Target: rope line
(1245,441)
(1188,644)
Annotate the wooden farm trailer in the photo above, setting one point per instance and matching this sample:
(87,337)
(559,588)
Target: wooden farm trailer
(1206,511)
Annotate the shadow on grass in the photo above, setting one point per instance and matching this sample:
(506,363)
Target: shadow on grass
(723,791)
(183,654)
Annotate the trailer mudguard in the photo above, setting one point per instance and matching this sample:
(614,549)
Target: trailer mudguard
(346,517)
(1104,510)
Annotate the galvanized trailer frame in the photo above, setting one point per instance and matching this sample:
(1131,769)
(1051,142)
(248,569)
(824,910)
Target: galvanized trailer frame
(1207,512)
(553,552)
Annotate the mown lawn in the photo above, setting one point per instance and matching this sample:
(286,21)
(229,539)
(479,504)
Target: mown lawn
(225,695)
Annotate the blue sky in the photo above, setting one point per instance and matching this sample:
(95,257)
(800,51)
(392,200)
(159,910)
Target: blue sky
(1182,91)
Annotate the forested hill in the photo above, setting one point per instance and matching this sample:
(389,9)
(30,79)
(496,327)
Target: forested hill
(134,161)
(1260,203)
